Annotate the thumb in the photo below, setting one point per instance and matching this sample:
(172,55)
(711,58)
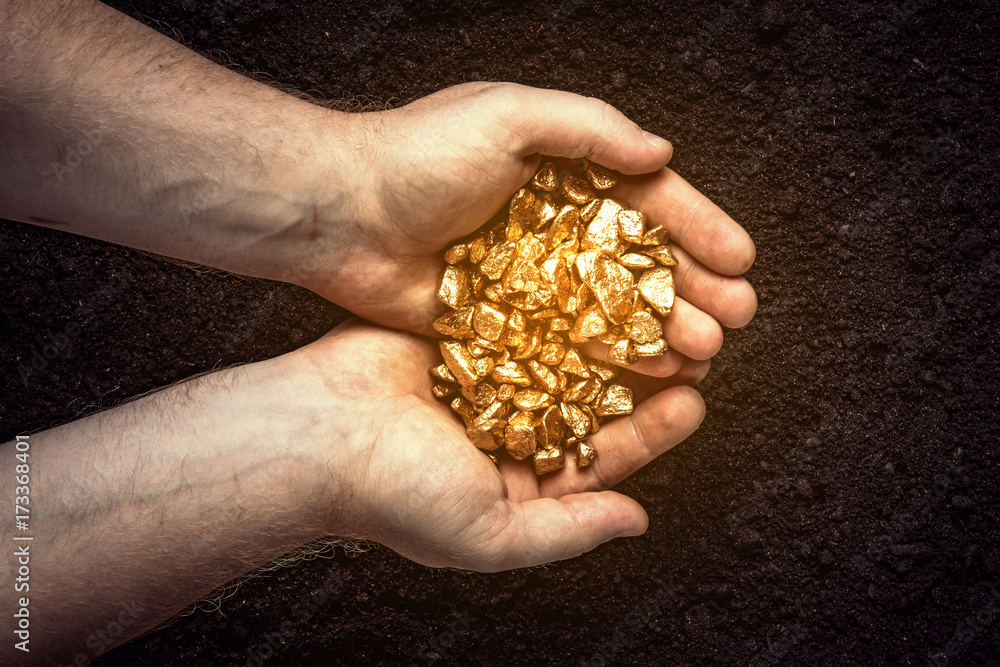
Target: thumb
(561,124)
(549,529)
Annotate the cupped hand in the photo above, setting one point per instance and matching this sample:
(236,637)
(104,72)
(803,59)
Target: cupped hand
(412,480)
(437,169)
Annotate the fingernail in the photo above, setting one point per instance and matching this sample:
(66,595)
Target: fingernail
(653,139)
(631,532)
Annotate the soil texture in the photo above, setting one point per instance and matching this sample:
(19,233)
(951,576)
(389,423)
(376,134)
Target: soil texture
(839,505)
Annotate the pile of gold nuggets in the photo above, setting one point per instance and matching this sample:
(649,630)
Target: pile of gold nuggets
(566,267)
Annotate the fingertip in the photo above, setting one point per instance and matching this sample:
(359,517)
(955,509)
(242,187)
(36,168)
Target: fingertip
(637,529)
(727,247)
(625,147)
(642,525)
(664,146)
(668,153)
(609,514)
(742,316)
(736,306)
(747,255)
(693,404)
(654,139)
(616,142)
(643,153)
(753,254)
(549,529)
(742,252)
(699,371)
(686,406)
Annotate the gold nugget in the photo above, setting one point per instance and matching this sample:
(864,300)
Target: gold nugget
(567,266)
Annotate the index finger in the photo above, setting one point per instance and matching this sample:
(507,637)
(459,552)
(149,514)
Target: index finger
(691,218)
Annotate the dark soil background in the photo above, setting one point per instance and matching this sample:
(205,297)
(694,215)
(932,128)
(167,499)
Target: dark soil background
(839,506)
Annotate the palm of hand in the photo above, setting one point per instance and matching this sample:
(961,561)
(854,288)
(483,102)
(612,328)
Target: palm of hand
(438,174)
(416,482)
(417,485)
(441,167)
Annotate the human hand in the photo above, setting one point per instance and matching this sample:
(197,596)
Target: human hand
(439,168)
(410,479)
(357,207)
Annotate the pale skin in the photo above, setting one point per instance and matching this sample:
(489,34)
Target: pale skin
(157,502)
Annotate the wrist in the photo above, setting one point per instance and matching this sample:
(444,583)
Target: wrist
(337,387)
(322,235)
(285,210)
(295,416)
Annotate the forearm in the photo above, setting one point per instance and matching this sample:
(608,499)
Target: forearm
(111,130)
(149,507)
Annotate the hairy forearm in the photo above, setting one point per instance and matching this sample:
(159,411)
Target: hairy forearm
(148,507)
(111,130)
